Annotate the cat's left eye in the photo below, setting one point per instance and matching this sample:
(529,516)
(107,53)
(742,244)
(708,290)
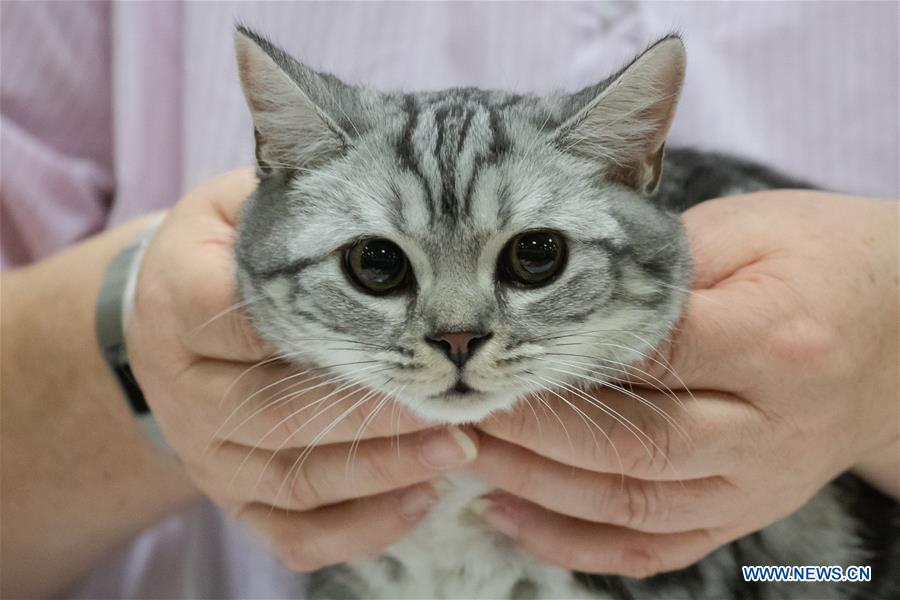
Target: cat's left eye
(377,265)
(533,258)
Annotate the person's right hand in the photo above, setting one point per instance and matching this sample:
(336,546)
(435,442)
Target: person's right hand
(243,422)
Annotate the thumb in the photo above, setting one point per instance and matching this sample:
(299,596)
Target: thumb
(225,194)
(716,343)
(730,307)
(727,235)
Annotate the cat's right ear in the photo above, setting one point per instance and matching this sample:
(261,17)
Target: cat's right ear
(291,130)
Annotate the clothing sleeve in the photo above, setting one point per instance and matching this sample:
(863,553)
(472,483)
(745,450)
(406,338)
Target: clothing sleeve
(56,172)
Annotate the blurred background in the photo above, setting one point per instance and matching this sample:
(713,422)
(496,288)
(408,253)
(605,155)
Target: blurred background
(142,100)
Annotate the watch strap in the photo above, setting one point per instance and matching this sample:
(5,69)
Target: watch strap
(110,323)
(115,304)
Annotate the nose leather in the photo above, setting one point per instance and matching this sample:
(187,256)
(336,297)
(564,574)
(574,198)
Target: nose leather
(458,346)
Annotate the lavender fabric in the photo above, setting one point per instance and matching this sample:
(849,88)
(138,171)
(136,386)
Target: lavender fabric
(113,110)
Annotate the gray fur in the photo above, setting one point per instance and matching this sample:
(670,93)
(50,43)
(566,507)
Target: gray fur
(451,177)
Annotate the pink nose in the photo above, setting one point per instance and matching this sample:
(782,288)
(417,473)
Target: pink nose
(458,346)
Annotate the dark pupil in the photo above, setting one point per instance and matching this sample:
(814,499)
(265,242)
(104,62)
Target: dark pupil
(537,253)
(380,262)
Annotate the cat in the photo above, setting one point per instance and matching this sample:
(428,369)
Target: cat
(456,237)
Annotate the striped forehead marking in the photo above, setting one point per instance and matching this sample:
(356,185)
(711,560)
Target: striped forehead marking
(446,142)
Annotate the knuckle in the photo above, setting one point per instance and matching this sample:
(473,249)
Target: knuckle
(572,558)
(658,452)
(381,469)
(639,458)
(640,503)
(385,422)
(523,482)
(640,561)
(643,446)
(288,423)
(675,357)
(611,446)
(299,556)
(269,485)
(802,341)
(665,359)
(566,555)
(282,432)
(305,494)
(234,509)
(357,420)
(598,450)
(601,504)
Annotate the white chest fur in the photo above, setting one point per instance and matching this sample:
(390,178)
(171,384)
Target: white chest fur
(452,554)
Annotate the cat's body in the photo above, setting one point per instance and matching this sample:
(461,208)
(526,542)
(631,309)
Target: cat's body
(455,239)
(452,554)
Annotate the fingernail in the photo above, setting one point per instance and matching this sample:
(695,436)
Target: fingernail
(416,502)
(445,448)
(496,515)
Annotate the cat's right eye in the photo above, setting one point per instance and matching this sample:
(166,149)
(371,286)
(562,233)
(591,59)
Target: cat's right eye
(377,265)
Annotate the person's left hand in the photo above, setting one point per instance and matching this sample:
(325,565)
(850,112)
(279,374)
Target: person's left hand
(794,320)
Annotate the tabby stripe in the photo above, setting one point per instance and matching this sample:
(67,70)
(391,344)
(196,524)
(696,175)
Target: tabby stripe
(464,131)
(449,202)
(406,151)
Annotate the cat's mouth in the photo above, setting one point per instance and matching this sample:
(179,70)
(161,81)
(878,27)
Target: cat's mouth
(462,403)
(460,388)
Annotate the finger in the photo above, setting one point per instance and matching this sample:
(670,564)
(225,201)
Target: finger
(613,432)
(593,548)
(736,300)
(274,406)
(651,506)
(307,479)
(305,541)
(225,194)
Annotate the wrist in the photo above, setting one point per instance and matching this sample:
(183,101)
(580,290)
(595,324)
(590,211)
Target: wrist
(78,476)
(114,308)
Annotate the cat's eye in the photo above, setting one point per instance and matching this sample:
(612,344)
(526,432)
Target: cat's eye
(533,258)
(377,265)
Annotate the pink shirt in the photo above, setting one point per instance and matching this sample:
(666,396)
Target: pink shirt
(113,110)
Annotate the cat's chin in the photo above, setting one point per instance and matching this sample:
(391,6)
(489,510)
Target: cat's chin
(458,409)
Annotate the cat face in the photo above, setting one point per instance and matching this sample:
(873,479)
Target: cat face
(462,249)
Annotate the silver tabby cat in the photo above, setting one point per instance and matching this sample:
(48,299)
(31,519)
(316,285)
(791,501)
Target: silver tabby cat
(454,242)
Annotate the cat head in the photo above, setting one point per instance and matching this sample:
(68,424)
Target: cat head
(461,249)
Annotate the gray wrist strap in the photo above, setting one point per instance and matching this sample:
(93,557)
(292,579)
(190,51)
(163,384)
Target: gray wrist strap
(110,326)
(113,309)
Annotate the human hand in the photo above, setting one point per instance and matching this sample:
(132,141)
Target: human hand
(244,424)
(790,345)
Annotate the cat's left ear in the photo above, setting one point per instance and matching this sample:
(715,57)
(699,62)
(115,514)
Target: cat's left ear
(293,107)
(624,125)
